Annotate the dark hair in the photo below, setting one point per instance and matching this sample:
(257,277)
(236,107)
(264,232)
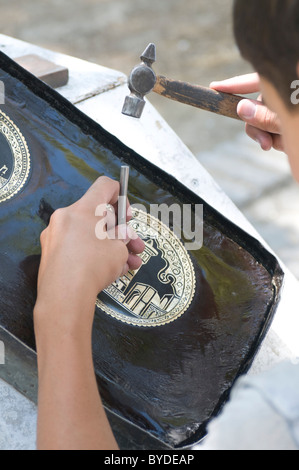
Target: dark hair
(267,33)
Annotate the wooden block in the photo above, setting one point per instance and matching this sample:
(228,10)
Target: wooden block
(54,75)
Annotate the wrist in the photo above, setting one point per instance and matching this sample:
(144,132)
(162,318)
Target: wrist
(64,310)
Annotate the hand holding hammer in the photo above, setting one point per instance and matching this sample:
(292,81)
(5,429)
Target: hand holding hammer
(143,80)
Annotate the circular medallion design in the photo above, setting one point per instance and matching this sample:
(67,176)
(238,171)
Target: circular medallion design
(162,289)
(14,159)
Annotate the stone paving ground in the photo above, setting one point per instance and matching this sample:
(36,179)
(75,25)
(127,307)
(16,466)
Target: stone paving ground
(194,43)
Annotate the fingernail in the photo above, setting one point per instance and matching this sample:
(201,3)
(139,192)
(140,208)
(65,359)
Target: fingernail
(246,109)
(126,233)
(129,212)
(259,141)
(122,232)
(131,233)
(265,145)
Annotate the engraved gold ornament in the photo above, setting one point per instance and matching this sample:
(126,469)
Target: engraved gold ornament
(162,290)
(15,162)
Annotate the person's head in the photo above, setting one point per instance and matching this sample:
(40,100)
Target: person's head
(267,33)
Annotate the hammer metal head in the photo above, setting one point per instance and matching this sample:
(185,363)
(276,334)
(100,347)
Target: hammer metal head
(141,82)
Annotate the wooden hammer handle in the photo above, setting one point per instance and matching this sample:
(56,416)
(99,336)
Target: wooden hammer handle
(198,96)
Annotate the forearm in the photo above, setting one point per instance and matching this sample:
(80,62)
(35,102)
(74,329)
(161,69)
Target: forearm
(75,266)
(70,411)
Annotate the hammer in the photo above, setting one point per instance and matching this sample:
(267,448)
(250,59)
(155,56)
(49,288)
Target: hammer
(143,80)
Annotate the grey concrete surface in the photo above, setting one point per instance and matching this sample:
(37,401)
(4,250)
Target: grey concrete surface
(18,418)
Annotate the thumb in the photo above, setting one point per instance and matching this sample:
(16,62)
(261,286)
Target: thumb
(259,116)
